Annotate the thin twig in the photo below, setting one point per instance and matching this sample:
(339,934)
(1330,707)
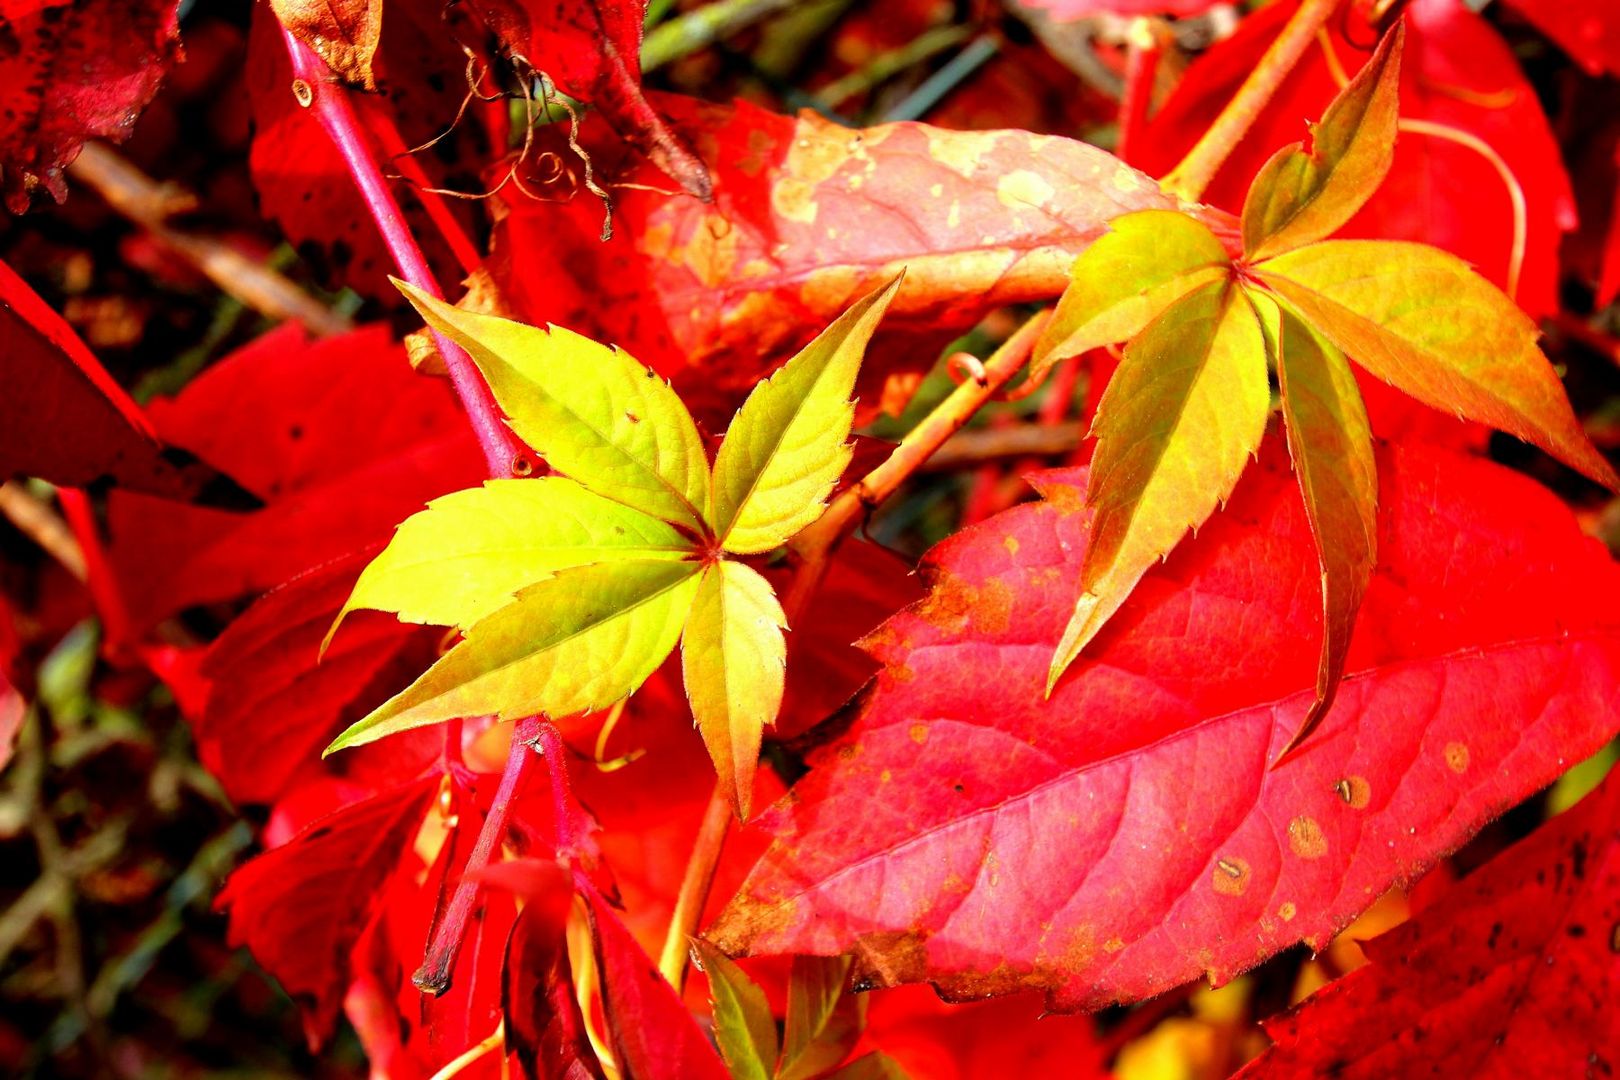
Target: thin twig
(700,28)
(1144,44)
(34,518)
(695,886)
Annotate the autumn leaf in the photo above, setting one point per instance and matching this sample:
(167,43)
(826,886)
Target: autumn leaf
(1589,30)
(743,1025)
(1423,321)
(823,1021)
(591,411)
(788,445)
(544,1025)
(344,33)
(1126,835)
(577,641)
(1144,262)
(1511,972)
(1177,424)
(1301,196)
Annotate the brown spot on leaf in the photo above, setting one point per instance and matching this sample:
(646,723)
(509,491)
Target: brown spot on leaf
(993,612)
(1305,838)
(1231,876)
(1457,757)
(1355,791)
(1287,911)
(919,733)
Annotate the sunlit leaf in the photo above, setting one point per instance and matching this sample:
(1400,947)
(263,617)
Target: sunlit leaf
(1177,424)
(823,1021)
(575,642)
(469,552)
(743,1025)
(1143,264)
(1301,196)
(591,411)
(787,445)
(1423,321)
(733,657)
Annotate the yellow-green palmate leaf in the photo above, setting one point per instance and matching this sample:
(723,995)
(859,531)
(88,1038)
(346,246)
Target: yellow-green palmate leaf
(1301,196)
(788,444)
(1423,321)
(577,641)
(591,411)
(733,660)
(1179,421)
(744,1027)
(1144,263)
(470,552)
(1330,441)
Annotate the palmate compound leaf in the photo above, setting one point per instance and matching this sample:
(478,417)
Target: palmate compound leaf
(591,411)
(733,661)
(1179,421)
(1301,196)
(789,442)
(1125,835)
(1330,441)
(469,552)
(1423,321)
(744,1026)
(1140,266)
(574,642)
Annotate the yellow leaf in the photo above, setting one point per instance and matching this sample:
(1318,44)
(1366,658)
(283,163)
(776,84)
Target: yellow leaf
(1423,321)
(788,444)
(591,411)
(1142,265)
(1175,428)
(733,658)
(575,642)
(470,551)
(1301,196)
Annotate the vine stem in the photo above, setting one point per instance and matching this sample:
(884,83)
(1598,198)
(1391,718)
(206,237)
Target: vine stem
(1192,176)
(314,87)
(1144,43)
(814,545)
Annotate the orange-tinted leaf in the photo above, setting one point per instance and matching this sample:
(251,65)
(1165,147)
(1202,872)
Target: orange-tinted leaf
(1423,321)
(1301,196)
(344,33)
(1126,835)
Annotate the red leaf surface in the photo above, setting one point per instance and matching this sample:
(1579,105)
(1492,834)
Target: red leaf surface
(807,216)
(544,1027)
(340,438)
(1127,835)
(302,907)
(1066,10)
(1589,30)
(1456,70)
(275,702)
(72,70)
(63,418)
(1513,972)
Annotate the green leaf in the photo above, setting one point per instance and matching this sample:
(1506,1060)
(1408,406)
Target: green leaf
(1144,263)
(1330,441)
(823,1022)
(787,445)
(575,642)
(1423,321)
(733,659)
(1301,196)
(1175,428)
(874,1066)
(591,411)
(470,551)
(743,1024)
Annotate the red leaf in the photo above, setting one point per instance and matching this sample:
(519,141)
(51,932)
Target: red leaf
(544,1026)
(1070,10)
(12,706)
(62,417)
(807,216)
(1589,30)
(265,665)
(654,1036)
(1514,972)
(71,70)
(302,907)
(1127,835)
(1009,1036)
(1456,71)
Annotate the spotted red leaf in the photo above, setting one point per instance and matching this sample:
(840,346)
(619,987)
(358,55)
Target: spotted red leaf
(72,70)
(1513,972)
(1127,835)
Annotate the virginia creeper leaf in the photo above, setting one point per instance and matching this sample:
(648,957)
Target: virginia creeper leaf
(874,1066)
(1512,973)
(344,33)
(1423,321)
(470,551)
(1126,835)
(590,410)
(790,441)
(823,1021)
(744,1027)
(1301,196)
(1140,266)
(575,642)
(1330,441)
(1589,30)
(1178,422)
(732,659)
(544,1025)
